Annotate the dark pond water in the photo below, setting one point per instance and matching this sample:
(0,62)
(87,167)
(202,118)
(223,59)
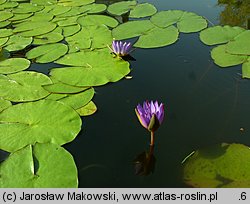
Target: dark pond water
(204,105)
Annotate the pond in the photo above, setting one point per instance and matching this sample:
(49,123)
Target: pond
(205,105)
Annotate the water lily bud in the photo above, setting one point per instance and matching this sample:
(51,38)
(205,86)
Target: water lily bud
(154,124)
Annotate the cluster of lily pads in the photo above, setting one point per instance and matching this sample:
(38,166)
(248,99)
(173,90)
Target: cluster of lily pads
(39,113)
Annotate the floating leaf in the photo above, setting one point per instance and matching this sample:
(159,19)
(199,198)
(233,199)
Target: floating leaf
(41,17)
(4,104)
(55,96)
(91,20)
(13,65)
(122,7)
(8,4)
(88,71)
(2,1)
(225,165)
(93,8)
(69,21)
(224,59)
(47,53)
(142,10)
(90,37)
(17,42)
(88,109)
(4,24)
(240,45)
(158,37)
(43,2)
(187,22)
(52,37)
(5,15)
(20,16)
(59,10)
(39,166)
(3,41)
(219,34)
(75,3)
(28,29)
(45,121)
(71,30)
(27,8)
(78,100)
(246,69)
(23,86)
(5,33)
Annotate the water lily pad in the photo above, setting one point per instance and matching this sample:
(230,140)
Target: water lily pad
(44,2)
(5,33)
(88,71)
(47,53)
(4,24)
(122,7)
(41,17)
(45,121)
(17,42)
(224,59)
(219,34)
(8,4)
(158,37)
(5,15)
(59,10)
(90,37)
(27,8)
(3,41)
(56,168)
(240,45)
(93,8)
(2,1)
(142,10)
(224,165)
(132,29)
(52,37)
(28,29)
(89,109)
(78,100)
(55,96)
(246,69)
(187,22)
(24,86)
(20,16)
(4,104)
(75,3)
(13,65)
(90,20)
(69,21)
(71,30)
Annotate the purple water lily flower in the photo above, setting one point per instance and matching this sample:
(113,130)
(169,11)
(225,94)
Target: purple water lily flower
(151,116)
(120,48)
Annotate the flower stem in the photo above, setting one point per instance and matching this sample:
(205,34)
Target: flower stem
(152,141)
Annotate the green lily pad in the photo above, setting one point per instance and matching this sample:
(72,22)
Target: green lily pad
(4,104)
(17,42)
(13,65)
(44,2)
(5,33)
(89,109)
(142,10)
(71,30)
(158,37)
(52,37)
(39,166)
(24,86)
(219,34)
(78,100)
(91,20)
(59,10)
(8,5)
(45,121)
(20,16)
(90,37)
(27,8)
(224,165)
(121,8)
(2,1)
(73,12)
(47,53)
(42,17)
(4,24)
(93,8)
(5,15)
(3,41)
(88,71)
(187,22)
(246,69)
(56,96)
(74,3)
(29,29)
(132,29)
(224,59)
(240,45)
(69,21)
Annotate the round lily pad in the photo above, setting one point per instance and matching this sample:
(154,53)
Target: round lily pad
(71,30)
(47,53)
(8,4)
(74,3)
(88,71)
(3,41)
(4,24)
(5,33)
(17,42)
(45,121)
(39,166)
(142,10)
(20,16)
(122,7)
(223,165)
(27,8)
(58,10)
(13,65)
(4,104)
(44,2)
(93,8)
(246,69)
(219,34)
(4,15)
(48,38)
(225,59)
(89,109)
(23,86)
(91,20)
(69,21)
